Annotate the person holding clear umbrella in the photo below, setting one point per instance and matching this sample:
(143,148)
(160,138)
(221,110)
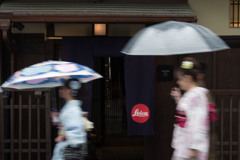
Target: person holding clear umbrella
(191,130)
(72,145)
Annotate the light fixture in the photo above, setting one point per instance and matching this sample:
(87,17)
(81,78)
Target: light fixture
(18,25)
(100,29)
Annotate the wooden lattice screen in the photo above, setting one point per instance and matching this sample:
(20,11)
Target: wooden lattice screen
(227,128)
(25,127)
(234,13)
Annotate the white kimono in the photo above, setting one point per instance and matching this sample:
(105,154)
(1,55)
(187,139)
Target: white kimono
(192,129)
(71,119)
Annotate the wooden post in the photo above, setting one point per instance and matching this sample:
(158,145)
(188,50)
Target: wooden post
(4,26)
(1,127)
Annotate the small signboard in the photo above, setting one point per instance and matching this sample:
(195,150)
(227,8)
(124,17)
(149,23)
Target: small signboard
(165,73)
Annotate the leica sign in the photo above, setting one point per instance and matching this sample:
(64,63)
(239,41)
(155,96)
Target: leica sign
(140,113)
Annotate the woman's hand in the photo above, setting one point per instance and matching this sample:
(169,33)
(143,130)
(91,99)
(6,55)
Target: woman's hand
(60,138)
(54,114)
(192,153)
(176,94)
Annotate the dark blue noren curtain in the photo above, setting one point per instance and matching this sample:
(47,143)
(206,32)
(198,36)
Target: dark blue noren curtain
(77,49)
(139,75)
(82,50)
(108,46)
(139,83)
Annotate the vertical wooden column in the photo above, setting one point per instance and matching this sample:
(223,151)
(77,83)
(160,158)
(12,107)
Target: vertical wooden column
(49,54)
(48,123)
(12,129)
(4,26)
(20,127)
(38,128)
(29,125)
(1,127)
(1,58)
(238,127)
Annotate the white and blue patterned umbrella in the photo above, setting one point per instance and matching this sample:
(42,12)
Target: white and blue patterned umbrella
(49,74)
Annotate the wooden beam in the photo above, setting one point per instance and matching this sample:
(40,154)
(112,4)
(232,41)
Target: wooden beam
(102,19)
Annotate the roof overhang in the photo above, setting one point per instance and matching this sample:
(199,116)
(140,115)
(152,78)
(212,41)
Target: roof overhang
(88,12)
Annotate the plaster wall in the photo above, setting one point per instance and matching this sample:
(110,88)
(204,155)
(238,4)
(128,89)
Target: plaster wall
(215,15)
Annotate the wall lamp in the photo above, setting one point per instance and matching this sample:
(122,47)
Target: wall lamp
(100,29)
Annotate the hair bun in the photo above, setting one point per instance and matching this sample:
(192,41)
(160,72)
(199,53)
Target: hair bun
(187,65)
(74,85)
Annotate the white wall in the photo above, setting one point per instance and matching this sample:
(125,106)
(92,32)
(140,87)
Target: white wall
(31,28)
(215,15)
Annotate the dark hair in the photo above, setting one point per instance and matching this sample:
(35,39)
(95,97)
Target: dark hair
(192,70)
(73,84)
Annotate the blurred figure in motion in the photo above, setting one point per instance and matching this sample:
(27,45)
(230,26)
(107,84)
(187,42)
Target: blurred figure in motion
(191,130)
(72,140)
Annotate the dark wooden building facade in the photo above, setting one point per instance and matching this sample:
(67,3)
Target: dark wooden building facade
(25,129)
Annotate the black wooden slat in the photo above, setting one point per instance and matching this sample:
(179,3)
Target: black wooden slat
(222,131)
(230,123)
(24,106)
(20,127)
(12,124)
(1,126)
(239,127)
(25,140)
(48,129)
(29,125)
(38,128)
(233,9)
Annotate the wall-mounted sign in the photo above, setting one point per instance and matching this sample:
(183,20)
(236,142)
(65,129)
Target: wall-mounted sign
(165,73)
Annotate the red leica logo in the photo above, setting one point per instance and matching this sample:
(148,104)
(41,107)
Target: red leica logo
(140,113)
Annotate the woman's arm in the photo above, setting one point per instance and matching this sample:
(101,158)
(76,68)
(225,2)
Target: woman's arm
(176,94)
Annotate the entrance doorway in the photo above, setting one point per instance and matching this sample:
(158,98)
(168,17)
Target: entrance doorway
(109,113)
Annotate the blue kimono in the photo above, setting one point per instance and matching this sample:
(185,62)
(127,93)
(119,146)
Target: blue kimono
(71,119)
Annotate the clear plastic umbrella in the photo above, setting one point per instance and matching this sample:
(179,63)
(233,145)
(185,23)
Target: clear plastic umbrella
(49,74)
(173,38)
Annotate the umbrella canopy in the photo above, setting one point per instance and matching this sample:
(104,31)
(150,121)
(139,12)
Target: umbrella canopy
(49,74)
(172,38)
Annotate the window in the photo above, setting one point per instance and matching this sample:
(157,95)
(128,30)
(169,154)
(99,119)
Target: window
(235,13)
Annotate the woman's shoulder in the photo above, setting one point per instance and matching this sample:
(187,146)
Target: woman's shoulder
(198,92)
(73,105)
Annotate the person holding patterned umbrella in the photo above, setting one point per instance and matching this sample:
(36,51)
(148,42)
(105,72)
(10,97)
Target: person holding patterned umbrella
(72,145)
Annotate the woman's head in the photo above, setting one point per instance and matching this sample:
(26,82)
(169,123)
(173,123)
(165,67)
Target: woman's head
(70,89)
(187,73)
